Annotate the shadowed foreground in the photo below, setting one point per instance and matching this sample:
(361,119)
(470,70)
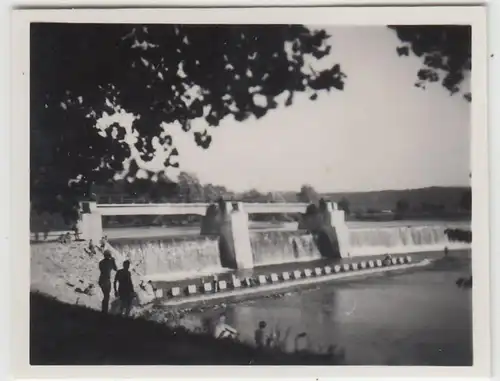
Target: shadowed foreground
(64,334)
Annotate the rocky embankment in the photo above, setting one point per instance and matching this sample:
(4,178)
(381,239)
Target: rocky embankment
(69,273)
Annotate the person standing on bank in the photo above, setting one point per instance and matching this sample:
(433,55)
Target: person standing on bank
(106,265)
(125,290)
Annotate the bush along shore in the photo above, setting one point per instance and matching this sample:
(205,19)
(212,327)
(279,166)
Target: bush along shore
(459,235)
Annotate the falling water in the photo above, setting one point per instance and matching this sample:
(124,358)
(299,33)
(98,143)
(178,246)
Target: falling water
(282,247)
(175,258)
(378,240)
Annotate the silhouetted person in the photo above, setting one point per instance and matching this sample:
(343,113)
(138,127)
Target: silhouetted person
(446,251)
(125,290)
(106,265)
(46,230)
(260,335)
(295,247)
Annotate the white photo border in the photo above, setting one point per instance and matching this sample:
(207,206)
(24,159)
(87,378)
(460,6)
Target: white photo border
(353,16)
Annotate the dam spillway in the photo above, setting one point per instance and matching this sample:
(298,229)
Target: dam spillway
(191,256)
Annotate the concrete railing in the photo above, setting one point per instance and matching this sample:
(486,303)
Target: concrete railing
(193,208)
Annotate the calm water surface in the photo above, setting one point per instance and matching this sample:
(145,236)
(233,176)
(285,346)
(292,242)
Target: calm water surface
(413,318)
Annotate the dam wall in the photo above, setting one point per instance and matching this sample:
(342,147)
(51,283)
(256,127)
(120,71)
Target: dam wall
(325,228)
(226,241)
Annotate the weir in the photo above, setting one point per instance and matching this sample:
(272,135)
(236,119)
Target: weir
(226,242)
(228,222)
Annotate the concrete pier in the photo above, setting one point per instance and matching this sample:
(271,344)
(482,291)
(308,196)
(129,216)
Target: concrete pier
(234,236)
(90,224)
(327,223)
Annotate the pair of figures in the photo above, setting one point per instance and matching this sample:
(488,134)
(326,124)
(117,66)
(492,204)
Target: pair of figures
(122,285)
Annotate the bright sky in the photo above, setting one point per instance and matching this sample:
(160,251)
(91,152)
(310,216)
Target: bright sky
(379,133)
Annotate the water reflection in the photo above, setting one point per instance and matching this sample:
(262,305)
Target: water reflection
(418,318)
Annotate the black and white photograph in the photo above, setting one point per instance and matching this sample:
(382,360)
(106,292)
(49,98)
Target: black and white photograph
(253,193)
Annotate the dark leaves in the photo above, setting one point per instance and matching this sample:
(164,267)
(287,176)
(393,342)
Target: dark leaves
(445,52)
(202,139)
(162,74)
(403,51)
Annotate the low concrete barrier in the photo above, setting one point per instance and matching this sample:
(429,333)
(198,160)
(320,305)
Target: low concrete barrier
(192,289)
(327,272)
(175,291)
(207,287)
(246,287)
(222,285)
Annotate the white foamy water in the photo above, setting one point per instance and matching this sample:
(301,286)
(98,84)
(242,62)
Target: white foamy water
(181,258)
(400,239)
(178,258)
(277,247)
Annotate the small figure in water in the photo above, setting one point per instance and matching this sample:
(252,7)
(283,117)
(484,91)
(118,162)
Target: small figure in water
(215,283)
(103,242)
(125,290)
(301,342)
(106,265)
(272,340)
(223,330)
(295,247)
(387,260)
(464,282)
(446,251)
(260,335)
(91,249)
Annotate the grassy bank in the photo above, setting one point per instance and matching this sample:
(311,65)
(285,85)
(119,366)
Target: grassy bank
(65,334)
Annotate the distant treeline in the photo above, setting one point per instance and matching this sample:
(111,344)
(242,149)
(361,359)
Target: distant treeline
(425,203)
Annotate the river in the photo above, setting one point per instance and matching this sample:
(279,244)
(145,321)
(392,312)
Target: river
(413,318)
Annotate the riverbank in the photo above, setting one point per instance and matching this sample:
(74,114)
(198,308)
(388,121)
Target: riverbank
(97,339)
(69,273)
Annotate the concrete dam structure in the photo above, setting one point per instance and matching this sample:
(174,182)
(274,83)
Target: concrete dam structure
(226,240)
(228,223)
